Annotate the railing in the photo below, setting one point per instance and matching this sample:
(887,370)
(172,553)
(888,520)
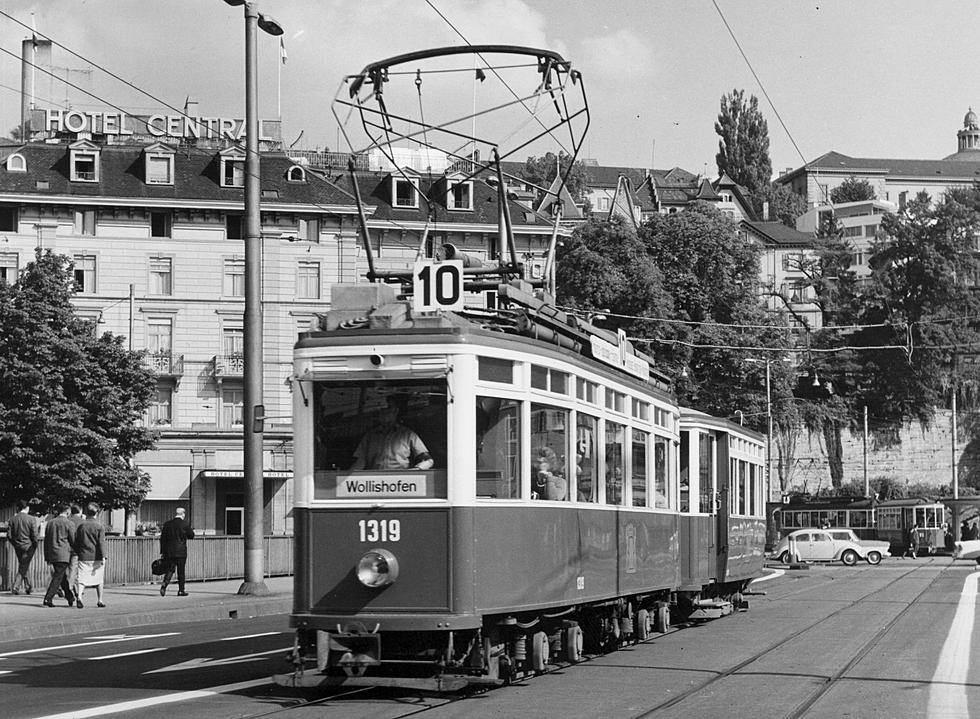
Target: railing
(165,363)
(232,365)
(208,558)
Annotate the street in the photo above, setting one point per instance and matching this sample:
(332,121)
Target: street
(831,641)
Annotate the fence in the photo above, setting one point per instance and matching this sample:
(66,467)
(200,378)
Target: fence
(129,560)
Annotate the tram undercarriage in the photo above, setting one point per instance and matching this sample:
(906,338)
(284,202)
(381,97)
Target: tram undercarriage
(506,648)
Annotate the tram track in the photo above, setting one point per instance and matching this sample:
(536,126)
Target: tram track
(425,702)
(662,708)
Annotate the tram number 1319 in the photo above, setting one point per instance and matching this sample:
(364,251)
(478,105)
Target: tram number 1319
(380,530)
(438,286)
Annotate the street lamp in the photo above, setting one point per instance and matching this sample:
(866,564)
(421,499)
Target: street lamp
(252,432)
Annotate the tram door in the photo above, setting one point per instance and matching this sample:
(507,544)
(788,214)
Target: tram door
(726,477)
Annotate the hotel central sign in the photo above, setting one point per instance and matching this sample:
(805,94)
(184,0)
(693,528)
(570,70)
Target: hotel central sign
(162,126)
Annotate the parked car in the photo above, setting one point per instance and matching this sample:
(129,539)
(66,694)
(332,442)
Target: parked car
(830,545)
(967,549)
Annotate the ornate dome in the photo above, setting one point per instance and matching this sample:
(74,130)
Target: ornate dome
(970,120)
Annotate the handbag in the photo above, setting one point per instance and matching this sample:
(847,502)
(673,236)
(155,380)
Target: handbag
(159,566)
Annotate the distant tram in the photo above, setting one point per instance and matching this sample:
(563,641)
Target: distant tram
(888,520)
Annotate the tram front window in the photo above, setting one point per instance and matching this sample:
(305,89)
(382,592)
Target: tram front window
(373,427)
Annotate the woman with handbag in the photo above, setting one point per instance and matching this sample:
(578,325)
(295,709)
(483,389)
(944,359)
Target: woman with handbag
(90,547)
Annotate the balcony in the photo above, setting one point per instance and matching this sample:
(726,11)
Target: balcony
(231,365)
(166,364)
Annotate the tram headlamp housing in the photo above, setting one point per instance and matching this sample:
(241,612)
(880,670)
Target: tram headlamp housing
(377,360)
(377,569)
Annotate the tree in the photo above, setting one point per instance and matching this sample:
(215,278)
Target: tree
(604,267)
(541,171)
(70,401)
(852,190)
(784,204)
(922,305)
(713,280)
(20,133)
(743,151)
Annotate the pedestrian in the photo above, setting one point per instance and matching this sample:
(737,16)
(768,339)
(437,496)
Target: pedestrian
(58,537)
(173,547)
(912,542)
(76,518)
(90,549)
(22,534)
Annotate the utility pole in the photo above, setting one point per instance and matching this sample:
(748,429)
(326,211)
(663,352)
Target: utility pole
(252,425)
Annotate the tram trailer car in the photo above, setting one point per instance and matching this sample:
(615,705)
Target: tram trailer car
(550,523)
(894,517)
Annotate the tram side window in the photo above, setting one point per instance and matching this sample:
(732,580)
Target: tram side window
(639,457)
(685,472)
(743,471)
(660,469)
(549,454)
(615,456)
(498,448)
(586,459)
(707,473)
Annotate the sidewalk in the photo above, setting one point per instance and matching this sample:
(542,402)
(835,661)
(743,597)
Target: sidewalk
(23,617)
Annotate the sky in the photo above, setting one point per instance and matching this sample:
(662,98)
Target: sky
(867,79)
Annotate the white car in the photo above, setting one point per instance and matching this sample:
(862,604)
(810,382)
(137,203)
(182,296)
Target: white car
(831,545)
(967,549)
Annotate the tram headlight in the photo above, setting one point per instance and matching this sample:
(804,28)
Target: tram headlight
(378,568)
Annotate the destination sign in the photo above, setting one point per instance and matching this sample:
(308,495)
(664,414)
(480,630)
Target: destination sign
(617,357)
(352,486)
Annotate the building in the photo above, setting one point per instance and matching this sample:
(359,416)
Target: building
(893,180)
(153,222)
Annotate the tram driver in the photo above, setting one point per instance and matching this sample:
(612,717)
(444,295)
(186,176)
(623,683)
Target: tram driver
(390,444)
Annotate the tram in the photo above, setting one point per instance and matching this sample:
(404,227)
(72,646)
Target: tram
(804,512)
(896,516)
(889,520)
(552,520)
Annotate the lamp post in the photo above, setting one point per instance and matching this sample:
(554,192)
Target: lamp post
(252,431)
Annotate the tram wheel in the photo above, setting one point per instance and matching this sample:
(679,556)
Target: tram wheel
(874,557)
(539,651)
(574,642)
(849,557)
(642,631)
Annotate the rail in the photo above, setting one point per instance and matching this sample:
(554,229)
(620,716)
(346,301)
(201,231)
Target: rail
(208,558)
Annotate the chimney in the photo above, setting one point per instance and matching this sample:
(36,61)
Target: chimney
(765,212)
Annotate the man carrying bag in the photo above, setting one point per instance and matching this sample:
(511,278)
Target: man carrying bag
(173,547)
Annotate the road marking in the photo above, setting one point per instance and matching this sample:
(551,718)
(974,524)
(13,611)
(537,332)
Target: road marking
(947,691)
(251,636)
(128,654)
(156,701)
(105,640)
(772,575)
(207,662)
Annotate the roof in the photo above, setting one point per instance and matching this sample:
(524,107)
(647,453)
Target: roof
(836,162)
(196,177)
(777,233)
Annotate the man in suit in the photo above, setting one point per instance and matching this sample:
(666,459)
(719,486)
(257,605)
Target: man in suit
(173,547)
(22,533)
(59,535)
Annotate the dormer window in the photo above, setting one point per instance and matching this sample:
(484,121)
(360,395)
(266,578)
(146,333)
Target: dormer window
(84,161)
(159,166)
(16,163)
(460,196)
(296,174)
(232,168)
(403,193)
